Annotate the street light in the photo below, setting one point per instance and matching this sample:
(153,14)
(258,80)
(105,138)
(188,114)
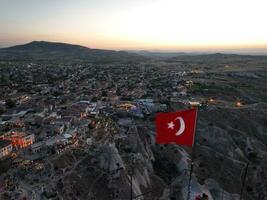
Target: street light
(239,104)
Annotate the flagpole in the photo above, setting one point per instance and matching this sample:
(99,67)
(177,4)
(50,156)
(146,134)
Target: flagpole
(131,194)
(192,162)
(189,182)
(244,181)
(131,178)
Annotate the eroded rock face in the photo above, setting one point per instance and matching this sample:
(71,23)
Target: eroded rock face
(225,149)
(225,143)
(162,171)
(119,149)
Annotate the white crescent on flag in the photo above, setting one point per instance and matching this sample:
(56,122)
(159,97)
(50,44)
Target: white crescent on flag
(182,126)
(176,127)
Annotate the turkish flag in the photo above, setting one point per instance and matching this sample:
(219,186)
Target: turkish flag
(176,127)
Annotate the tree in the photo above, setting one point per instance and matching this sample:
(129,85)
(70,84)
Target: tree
(104,93)
(2,110)
(118,92)
(94,99)
(4,166)
(10,103)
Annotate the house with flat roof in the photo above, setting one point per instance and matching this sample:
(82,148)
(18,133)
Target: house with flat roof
(19,139)
(5,148)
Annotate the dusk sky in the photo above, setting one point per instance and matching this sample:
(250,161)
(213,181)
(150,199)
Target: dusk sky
(137,24)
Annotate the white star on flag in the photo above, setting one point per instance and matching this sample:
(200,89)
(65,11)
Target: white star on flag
(171,125)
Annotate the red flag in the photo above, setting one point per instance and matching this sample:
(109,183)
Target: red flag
(176,127)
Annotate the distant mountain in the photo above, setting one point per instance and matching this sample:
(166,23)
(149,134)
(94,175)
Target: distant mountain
(203,54)
(57,52)
(218,57)
(43,51)
(154,54)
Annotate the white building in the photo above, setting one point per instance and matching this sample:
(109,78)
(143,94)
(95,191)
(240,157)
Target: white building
(5,148)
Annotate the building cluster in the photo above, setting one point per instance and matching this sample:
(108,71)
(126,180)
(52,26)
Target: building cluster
(46,110)
(43,106)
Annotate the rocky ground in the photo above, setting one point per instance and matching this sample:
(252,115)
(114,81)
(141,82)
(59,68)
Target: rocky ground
(228,137)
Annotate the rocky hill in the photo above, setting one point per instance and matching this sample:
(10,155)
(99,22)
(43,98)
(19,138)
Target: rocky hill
(53,51)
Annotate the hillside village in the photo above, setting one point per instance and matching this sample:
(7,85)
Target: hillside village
(86,131)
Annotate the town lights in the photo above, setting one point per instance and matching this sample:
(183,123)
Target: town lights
(238,104)
(211,100)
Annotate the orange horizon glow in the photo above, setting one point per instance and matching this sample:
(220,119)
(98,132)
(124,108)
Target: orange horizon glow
(138,45)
